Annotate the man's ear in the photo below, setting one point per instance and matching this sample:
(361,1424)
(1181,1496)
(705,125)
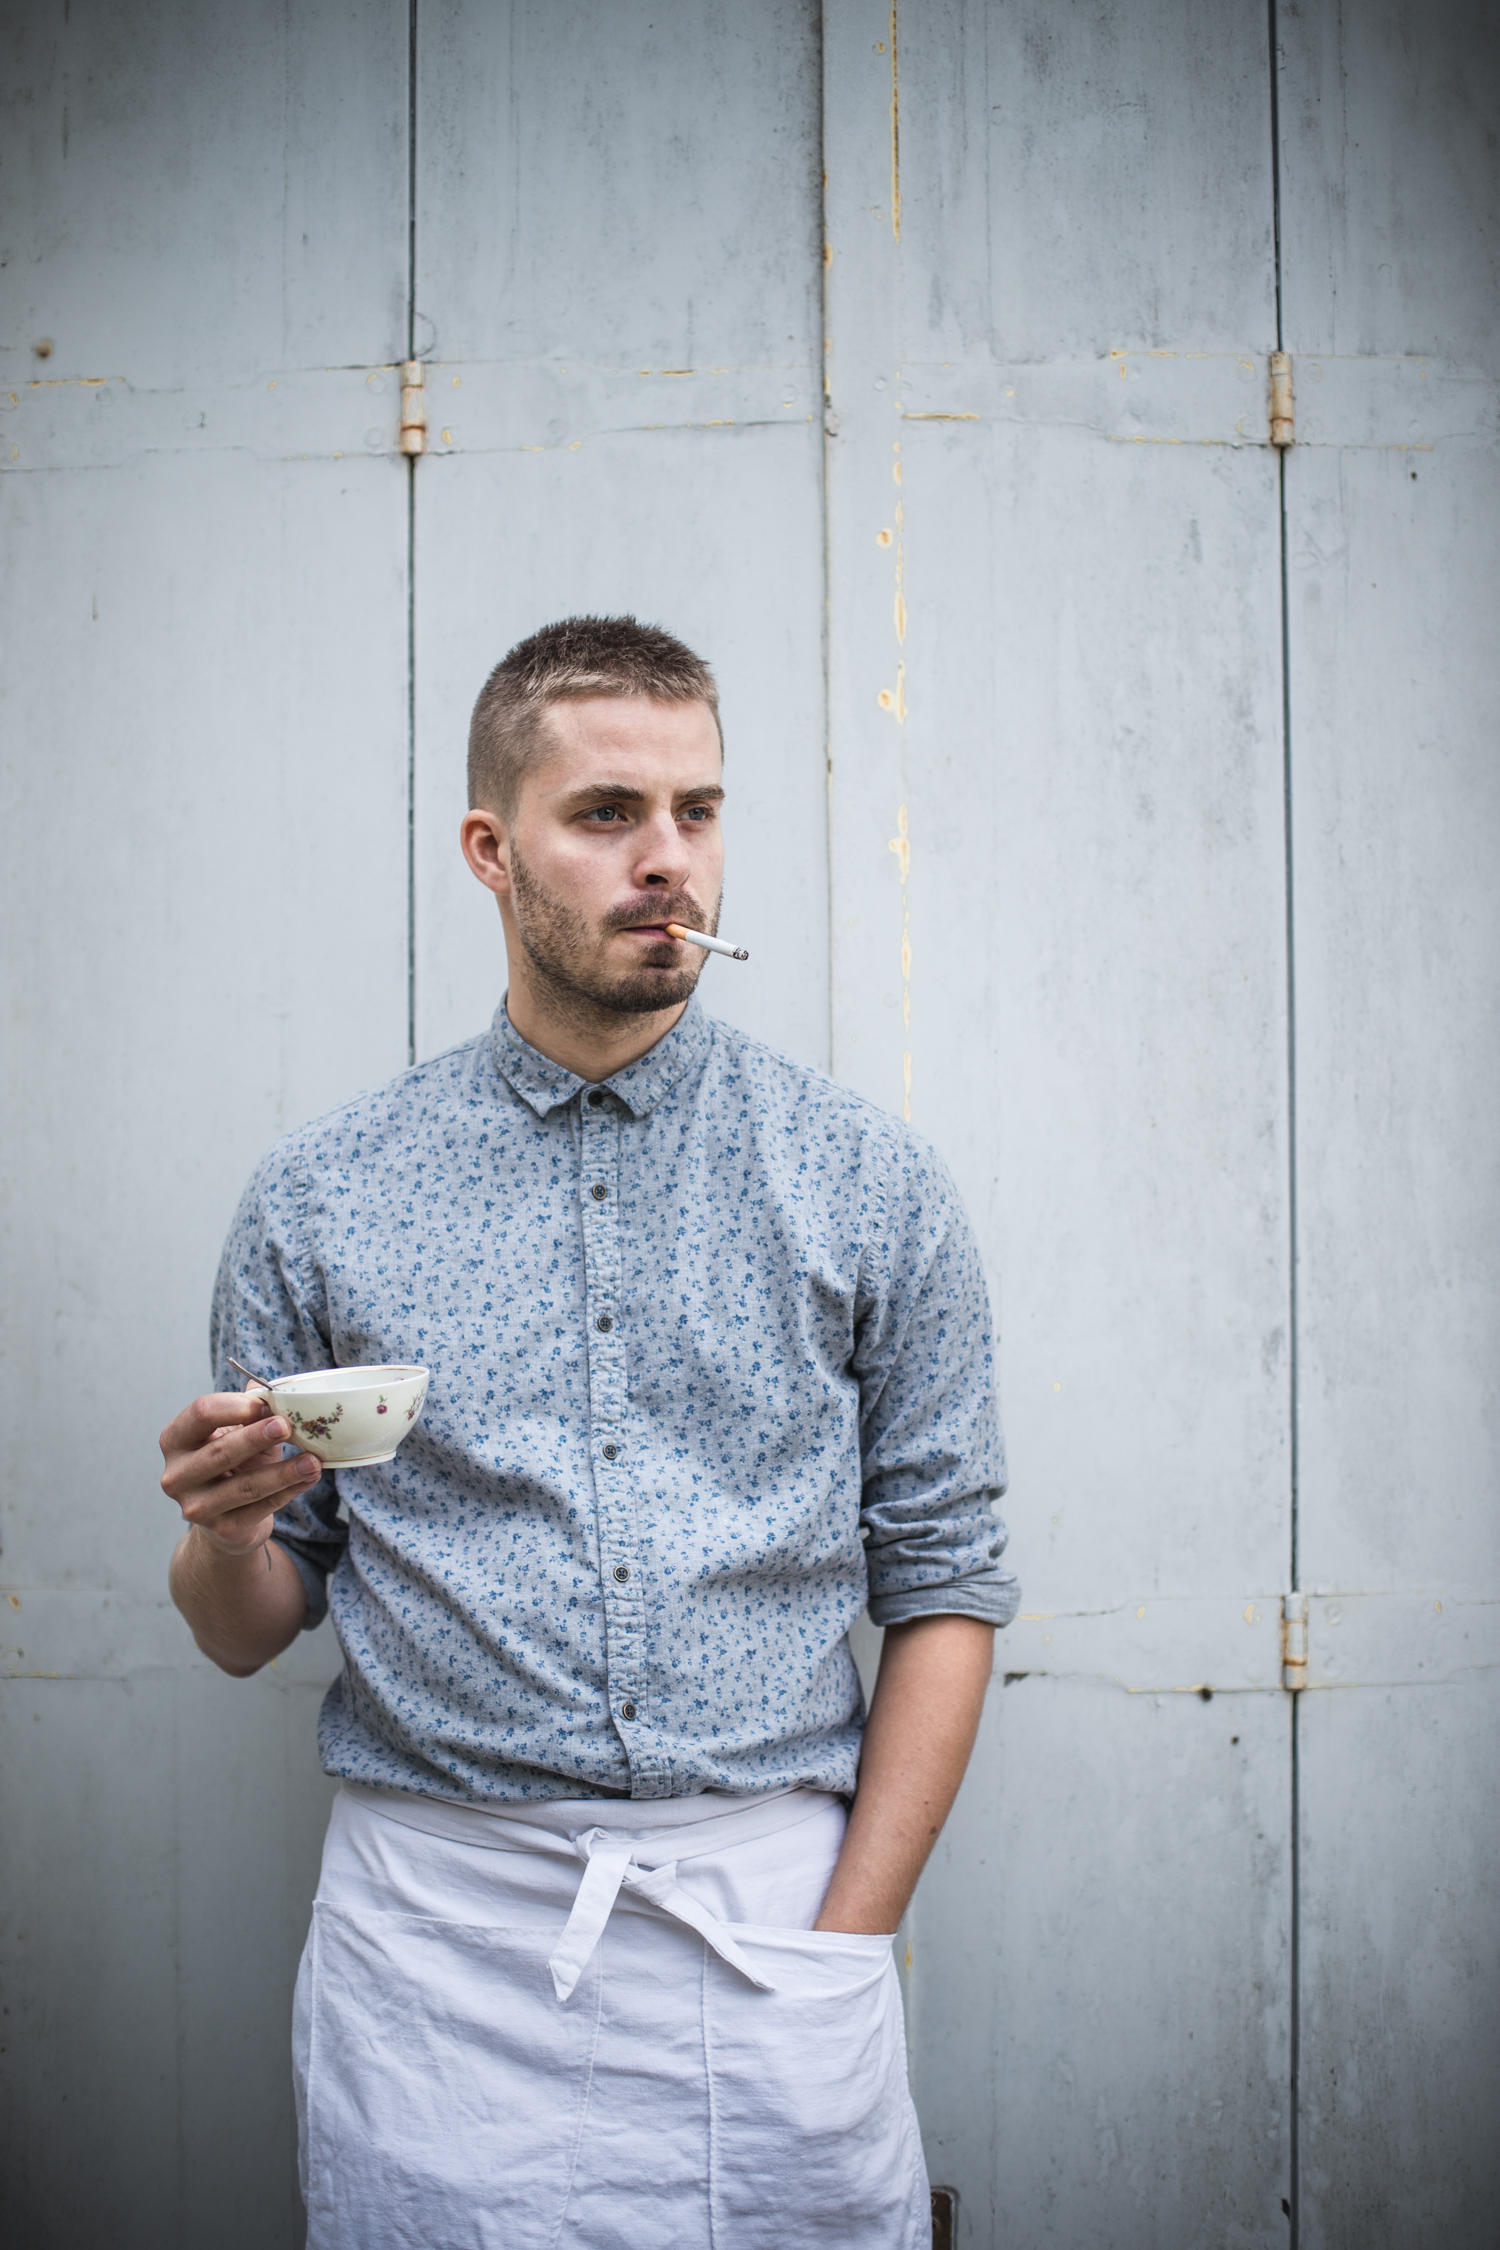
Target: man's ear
(484,839)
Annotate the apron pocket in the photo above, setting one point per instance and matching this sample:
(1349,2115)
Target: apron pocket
(808,2087)
(446,2090)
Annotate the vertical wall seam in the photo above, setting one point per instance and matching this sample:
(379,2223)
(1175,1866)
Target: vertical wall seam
(1294,2025)
(825,337)
(411,545)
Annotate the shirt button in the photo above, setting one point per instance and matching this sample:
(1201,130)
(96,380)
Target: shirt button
(604,1324)
(596,1099)
(598,1191)
(622,1571)
(627,1710)
(611,1452)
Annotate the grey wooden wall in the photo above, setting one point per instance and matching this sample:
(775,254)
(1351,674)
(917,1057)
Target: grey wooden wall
(1116,798)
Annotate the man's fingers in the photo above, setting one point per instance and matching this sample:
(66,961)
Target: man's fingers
(241,1531)
(218,1450)
(215,1411)
(237,1468)
(264,1490)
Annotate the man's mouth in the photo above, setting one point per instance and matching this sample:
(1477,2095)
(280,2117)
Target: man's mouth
(654,930)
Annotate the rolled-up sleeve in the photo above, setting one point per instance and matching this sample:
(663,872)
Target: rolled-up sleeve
(933,1461)
(269,1313)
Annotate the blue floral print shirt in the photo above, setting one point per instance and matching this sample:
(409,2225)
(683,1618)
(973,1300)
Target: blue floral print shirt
(711,1366)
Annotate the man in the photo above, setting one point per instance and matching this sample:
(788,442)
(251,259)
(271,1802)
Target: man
(598,1955)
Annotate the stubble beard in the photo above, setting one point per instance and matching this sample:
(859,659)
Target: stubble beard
(562,948)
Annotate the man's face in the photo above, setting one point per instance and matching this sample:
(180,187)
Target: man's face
(615,835)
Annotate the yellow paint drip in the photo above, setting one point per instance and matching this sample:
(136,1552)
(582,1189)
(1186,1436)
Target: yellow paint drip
(895,131)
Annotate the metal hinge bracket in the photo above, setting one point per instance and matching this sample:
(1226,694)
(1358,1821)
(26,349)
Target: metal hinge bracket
(1283,406)
(1294,1641)
(413,407)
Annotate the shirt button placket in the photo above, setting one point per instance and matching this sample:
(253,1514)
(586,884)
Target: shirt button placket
(608,1407)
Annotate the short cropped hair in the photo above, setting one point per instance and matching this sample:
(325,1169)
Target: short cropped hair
(580,656)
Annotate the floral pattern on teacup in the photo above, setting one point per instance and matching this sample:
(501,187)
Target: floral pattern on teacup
(315,1425)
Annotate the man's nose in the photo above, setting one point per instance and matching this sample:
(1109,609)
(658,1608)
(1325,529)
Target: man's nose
(662,858)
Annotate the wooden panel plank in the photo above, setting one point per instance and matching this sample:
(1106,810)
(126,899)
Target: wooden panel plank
(1396,818)
(1058,918)
(1390,212)
(200,191)
(1397,823)
(1388,180)
(620,260)
(205,940)
(1079,180)
(159,1843)
(1400,1958)
(1098,1977)
(205,927)
(1076,946)
(618,187)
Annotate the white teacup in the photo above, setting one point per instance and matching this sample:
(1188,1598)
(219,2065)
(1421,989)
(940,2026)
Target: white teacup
(350,1417)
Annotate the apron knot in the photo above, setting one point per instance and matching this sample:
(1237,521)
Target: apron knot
(609,1868)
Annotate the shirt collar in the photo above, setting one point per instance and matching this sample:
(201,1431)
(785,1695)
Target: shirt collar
(544,1085)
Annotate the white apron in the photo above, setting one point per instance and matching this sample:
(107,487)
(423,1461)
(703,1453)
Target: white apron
(602,2024)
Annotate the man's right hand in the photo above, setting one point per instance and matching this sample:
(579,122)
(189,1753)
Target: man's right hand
(240,1592)
(225,1469)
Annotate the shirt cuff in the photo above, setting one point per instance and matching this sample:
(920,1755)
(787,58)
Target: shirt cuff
(315,1582)
(992,1601)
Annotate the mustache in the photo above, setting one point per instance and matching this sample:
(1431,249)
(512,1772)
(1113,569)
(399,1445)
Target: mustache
(676,907)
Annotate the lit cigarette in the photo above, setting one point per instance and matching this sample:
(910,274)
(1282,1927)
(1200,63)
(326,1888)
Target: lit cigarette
(709,944)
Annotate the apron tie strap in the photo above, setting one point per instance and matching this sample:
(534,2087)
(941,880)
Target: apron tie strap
(610,1868)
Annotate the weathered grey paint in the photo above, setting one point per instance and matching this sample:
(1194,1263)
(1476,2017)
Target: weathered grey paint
(205,942)
(1039,893)
(1067,829)
(618,284)
(1390,220)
